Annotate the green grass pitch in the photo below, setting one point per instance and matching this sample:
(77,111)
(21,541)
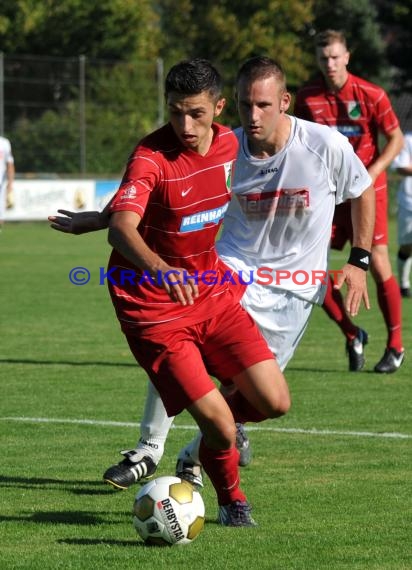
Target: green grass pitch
(330,483)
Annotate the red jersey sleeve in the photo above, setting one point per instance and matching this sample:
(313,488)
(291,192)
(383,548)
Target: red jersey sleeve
(141,177)
(386,118)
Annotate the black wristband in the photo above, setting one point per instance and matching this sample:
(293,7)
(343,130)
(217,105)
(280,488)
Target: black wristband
(360,258)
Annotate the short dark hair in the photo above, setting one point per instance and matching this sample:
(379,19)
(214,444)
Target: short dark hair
(261,67)
(328,37)
(193,76)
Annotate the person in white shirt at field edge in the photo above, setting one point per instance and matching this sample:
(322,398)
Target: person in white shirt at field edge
(7,173)
(403,166)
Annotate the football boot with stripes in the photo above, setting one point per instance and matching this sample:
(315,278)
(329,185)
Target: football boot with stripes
(189,471)
(131,470)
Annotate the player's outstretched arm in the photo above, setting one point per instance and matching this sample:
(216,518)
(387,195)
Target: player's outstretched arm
(81,222)
(391,149)
(78,222)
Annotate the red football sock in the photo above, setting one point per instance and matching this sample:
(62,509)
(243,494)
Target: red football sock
(390,303)
(335,309)
(223,471)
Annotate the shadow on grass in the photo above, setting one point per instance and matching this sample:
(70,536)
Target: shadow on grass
(65,362)
(75,487)
(30,361)
(108,542)
(319,370)
(59,517)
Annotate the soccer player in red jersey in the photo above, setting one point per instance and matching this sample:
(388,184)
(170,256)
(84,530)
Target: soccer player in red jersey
(176,300)
(262,230)
(360,110)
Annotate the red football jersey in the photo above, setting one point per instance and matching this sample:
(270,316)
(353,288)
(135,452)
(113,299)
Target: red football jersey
(359,110)
(181,197)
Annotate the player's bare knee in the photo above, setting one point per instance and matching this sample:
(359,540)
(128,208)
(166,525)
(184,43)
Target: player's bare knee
(284,406)
(279,406)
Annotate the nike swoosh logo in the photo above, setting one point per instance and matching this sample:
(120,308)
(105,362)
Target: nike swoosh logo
(186,192)
(398,360)
(378,236)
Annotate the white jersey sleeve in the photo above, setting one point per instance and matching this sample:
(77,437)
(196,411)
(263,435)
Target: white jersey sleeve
(6,157)
(403,160)
(348,175)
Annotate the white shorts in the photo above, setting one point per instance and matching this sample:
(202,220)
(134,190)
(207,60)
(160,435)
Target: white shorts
(281,316)
(404,226)
(3,192)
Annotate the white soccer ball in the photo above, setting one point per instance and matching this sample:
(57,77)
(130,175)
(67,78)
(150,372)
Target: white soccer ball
(168,511)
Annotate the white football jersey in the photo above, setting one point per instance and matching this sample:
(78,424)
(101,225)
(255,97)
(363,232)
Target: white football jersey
(278,225)
(5,157)
(404,159)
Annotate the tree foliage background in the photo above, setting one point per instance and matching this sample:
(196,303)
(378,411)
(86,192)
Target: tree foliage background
(123,40)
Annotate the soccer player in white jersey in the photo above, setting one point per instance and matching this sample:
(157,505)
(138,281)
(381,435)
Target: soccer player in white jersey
(288,177)
(6,177)
(403,166)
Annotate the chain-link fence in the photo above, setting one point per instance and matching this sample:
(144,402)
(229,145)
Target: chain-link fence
(81,116)
(77,115)
(403,107)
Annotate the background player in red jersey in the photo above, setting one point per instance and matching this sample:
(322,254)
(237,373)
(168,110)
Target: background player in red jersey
(163,223)
(360,110)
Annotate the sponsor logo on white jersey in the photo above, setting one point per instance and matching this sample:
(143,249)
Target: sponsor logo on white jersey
(283,201)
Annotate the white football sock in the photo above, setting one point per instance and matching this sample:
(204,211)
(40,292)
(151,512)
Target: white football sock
(191,450)
(404,271)
(154,427)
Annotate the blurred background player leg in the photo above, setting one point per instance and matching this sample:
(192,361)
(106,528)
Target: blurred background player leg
(404,260)
(356,338)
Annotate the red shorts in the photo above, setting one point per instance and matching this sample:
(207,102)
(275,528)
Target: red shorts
(179,361)
(342,223)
